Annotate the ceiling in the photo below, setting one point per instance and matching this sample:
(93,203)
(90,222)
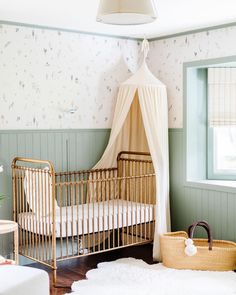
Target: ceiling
(174,16)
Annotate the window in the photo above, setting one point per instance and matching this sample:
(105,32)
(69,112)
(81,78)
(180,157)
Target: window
(222,123)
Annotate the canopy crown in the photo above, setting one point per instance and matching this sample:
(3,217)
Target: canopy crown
(143,77)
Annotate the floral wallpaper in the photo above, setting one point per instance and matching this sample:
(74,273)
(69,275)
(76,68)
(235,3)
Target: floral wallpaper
(167,56)
(54,79)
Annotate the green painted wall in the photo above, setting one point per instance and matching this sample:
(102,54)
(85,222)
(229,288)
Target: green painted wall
(79,149)
(67,149)
(189,203)
(195,110)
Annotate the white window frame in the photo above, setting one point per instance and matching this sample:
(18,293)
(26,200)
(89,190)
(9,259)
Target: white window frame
(212,173)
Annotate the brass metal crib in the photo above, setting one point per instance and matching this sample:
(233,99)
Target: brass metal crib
(72,214)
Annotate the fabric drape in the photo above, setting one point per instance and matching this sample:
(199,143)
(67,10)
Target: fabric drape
(116,143)
(154,110)
(142,103)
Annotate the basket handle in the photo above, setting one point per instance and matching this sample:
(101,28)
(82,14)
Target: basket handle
(201,223)
(206,226)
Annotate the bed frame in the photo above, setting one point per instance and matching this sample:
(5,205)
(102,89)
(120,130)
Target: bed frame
(71,214)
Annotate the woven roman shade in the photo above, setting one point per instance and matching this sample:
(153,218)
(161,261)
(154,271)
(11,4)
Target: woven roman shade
(222,96)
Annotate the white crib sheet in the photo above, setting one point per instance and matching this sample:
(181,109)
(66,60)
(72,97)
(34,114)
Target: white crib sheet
(88,218)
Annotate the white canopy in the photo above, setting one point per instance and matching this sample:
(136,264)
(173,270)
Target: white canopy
(141,124)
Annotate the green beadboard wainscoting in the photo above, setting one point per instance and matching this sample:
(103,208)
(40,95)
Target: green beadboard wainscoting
(192,202)
(81,149)
(67,149)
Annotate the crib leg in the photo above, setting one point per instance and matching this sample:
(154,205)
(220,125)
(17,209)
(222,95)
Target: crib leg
(54,277)
(55,284)
(121,237)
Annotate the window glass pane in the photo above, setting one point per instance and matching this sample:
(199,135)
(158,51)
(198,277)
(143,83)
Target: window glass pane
(225,150)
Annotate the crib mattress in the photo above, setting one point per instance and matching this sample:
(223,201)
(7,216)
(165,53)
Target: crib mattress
(88,218)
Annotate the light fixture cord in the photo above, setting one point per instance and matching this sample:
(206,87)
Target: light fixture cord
(145,48)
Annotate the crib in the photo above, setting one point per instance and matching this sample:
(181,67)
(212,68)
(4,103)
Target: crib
(71,214)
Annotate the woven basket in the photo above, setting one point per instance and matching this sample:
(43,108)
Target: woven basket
(216,255)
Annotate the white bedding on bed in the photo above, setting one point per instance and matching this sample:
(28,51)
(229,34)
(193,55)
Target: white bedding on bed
(88,218)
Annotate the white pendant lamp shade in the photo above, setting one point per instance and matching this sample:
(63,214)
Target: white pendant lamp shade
(126,12)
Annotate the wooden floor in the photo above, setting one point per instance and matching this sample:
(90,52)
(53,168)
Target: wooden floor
(75,269)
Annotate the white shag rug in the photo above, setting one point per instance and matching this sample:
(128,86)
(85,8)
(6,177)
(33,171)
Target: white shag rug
(129,276)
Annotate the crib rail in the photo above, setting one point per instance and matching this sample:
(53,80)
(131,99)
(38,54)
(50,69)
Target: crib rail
(33,191)
(75,213)
(137,164)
